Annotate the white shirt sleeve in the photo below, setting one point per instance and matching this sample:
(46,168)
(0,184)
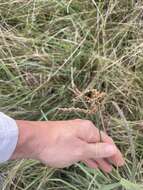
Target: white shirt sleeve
(8,137)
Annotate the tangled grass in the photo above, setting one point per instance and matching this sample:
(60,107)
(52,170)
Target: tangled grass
(48,47)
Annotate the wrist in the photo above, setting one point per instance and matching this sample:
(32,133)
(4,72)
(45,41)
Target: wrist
(26,145)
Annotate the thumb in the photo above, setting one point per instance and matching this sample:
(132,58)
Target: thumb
(100,150)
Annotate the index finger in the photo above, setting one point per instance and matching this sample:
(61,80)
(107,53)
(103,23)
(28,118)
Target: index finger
(89,133)
(117,159)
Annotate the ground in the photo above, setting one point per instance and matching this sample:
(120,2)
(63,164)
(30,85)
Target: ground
(56,56)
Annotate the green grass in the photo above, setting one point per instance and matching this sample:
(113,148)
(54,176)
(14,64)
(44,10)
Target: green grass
(46,46)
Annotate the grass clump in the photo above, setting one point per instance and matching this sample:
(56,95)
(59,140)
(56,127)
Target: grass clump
(49,47)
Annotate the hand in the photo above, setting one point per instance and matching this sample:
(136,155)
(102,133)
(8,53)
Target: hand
(62,143)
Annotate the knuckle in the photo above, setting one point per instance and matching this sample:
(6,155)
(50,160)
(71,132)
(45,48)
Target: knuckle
(110,140)
(88,123)
(107,137)
(78,120)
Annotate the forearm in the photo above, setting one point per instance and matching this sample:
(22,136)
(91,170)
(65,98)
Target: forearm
(26,145)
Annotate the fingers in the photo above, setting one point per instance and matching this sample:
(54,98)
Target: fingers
(99,163)
(99,150)
(89,133)
(117,159)
(104,165)
(91,163)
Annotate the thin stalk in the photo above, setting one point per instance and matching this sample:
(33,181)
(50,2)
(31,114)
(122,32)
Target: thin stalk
(131,140)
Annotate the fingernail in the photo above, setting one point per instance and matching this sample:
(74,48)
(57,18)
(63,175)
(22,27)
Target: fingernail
(110,149)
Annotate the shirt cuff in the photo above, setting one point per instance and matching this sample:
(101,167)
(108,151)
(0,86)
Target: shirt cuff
(8,137)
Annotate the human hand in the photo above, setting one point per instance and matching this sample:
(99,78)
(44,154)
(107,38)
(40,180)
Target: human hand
(62,143)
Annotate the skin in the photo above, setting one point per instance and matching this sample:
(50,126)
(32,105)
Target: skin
(60,144)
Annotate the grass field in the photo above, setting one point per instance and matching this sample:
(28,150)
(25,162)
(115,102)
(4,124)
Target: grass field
(49,48)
